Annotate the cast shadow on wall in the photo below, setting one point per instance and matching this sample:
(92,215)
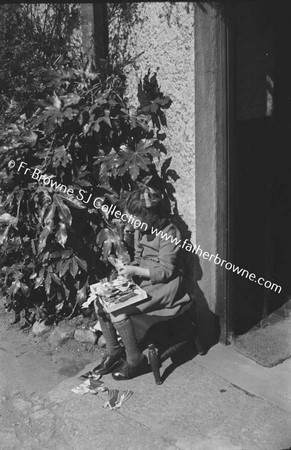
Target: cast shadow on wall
(122,17)
(207,323)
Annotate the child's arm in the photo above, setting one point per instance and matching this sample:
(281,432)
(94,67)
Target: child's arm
(133,269)
(130,271)
(169,249)
(163,270)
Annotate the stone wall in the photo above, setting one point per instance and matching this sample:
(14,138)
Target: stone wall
(164,32)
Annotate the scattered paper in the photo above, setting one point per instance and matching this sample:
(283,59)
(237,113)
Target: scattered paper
(82,388)
(97,386)
(90,376)
(96,327)
(88,302)
(116,398)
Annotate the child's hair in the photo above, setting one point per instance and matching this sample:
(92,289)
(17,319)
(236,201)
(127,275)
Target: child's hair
(146,201)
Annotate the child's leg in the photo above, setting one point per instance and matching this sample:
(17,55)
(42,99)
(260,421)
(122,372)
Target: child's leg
(125,329)
(114,352)
(109,333)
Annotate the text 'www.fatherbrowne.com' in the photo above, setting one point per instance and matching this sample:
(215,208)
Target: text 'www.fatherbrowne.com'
(217,260)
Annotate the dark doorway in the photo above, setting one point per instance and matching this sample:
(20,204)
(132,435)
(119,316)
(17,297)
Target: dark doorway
(260,223)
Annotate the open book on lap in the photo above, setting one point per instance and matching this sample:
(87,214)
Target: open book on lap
(118,293)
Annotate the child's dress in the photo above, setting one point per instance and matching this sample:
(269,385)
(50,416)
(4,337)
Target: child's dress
(163,257)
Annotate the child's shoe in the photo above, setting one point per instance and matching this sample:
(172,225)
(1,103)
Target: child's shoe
(110,363)
(127,371)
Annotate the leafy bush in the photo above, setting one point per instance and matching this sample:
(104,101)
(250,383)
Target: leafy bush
(32,37)
(82,136)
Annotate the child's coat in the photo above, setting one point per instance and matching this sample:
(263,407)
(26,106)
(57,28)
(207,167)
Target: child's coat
(166,286)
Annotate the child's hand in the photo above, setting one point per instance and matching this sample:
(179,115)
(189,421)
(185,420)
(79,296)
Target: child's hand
(118,264)
(127,271)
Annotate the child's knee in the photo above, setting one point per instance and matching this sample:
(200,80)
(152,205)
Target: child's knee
(118,317)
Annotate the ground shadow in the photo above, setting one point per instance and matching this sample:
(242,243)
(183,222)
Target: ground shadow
(188,353)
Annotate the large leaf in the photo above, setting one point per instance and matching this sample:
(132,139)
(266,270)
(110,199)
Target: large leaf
(74,267)
(51,116)
(61,156)
(96,126)
(56,279)
(135,160)
(102,236)
(117,164)
(52,77)
(39,279)
(69,113)
(108,165)
(49,216)
(24,289)
(70,99)
(67,253)
(43,237)
(63,210)
(81,263)
(82,294)
(142,121)
(55,100)
(6,219)
(71,200)
(61,234)
(47,283)
(66,291)
(63,267)
(31,138)
(164,101)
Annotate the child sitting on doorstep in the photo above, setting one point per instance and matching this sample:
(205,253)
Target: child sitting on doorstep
(157,268)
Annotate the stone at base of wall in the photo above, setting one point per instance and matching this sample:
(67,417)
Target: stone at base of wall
(85,336)
(40,328)
(60,335)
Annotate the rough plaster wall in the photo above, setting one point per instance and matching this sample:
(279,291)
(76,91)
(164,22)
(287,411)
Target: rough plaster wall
(164,31)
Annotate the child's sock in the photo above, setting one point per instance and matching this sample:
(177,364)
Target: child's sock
(109,333)
(126,332)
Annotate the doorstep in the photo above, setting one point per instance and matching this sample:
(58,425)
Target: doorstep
(272,384)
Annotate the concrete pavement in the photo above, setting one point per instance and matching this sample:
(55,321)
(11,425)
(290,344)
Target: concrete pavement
(220,401)
(208,403)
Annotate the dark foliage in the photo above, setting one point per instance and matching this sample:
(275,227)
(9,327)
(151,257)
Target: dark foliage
(80,134)
(32,37)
